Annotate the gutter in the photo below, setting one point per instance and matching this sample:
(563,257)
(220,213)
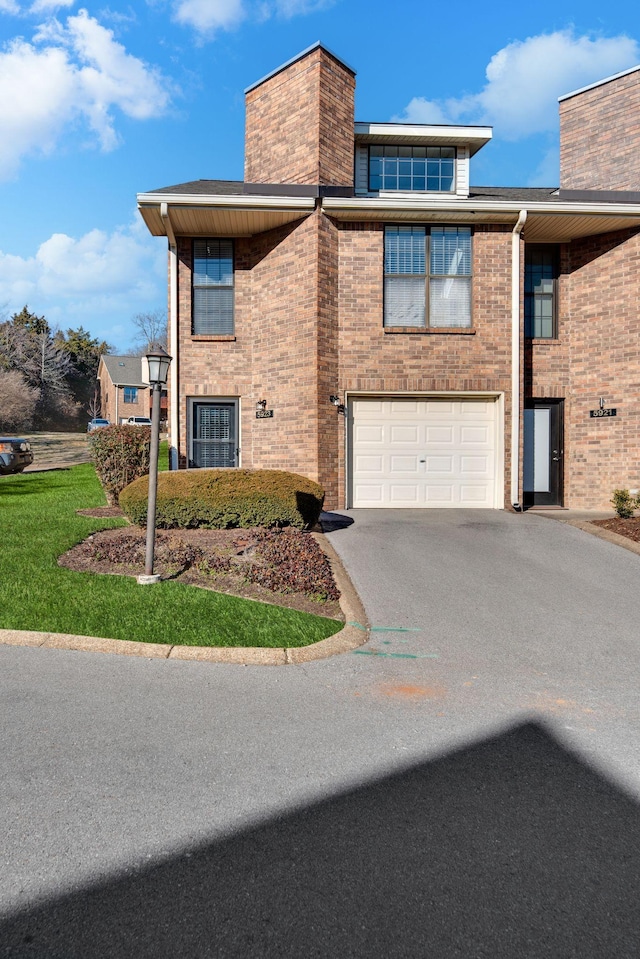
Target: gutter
(228,200)
(515,358)
(173,336)
(476,208)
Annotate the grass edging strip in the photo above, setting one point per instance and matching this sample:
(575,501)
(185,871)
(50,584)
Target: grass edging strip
(348,638)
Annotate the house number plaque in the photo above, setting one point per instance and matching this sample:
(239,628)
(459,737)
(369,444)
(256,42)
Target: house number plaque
(264,414)
(603,412)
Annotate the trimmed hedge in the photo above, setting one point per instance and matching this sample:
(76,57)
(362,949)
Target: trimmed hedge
(120,454)
(225,499)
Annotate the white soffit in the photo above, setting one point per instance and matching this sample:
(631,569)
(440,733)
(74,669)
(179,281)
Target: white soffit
(222,216)
(423,134)
(544,223)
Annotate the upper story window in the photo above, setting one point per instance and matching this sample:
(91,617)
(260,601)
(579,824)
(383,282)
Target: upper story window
(408,168)
(540,291)
(427,276)
(213,287)
(130,394)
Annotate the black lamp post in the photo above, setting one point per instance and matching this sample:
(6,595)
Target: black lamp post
(159,362)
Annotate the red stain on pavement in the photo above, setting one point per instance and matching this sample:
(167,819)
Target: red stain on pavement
(411,691)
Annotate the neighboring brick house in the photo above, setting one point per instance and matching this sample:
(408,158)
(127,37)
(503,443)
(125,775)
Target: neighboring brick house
(356,312)
(123,392)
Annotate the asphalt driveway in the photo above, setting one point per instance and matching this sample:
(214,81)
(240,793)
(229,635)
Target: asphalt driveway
(465,784)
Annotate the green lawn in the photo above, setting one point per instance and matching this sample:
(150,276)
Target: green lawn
(39,523)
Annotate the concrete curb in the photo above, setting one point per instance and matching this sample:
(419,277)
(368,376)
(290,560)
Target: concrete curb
(352,635)
(607,534)
(581,521)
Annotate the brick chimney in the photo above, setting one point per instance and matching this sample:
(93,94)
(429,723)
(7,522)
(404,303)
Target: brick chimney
(600,135)
(300,122)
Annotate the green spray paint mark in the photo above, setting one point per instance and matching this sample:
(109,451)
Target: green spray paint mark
(376,652)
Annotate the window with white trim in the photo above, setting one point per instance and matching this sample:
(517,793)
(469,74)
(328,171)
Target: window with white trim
(130,394)
(412,168)
(427,276)
(213,287)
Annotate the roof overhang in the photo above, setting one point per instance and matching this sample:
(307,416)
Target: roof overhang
(228,215)
(423,134)
(546,222)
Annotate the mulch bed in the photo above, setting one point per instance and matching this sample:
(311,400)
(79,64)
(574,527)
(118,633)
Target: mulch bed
(224,560)
(623,527)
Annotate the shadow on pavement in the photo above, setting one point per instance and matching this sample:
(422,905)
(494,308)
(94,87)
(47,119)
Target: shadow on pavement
(334,521)
(509,848)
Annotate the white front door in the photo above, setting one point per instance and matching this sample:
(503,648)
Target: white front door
(423,452)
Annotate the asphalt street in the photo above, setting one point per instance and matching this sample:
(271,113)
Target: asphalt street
(467,783)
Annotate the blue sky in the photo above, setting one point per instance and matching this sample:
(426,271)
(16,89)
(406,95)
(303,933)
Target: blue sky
(99,103)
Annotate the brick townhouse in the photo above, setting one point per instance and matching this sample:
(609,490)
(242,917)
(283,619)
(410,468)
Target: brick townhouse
(355,311)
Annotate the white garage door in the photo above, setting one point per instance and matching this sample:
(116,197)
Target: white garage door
(423,453)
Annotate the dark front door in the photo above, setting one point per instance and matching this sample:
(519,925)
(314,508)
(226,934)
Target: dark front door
(543,442)
(215,435)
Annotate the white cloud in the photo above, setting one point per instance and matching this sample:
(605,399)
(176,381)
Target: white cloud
(71,74)
(548,170)
(208,16)
(99,280)
(525,79)
(46,6)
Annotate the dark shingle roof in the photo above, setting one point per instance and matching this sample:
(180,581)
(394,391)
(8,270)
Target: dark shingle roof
(528,194)
(124,370)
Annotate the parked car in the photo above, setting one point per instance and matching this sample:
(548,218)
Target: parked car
(138,421)
(15,454)
(97,424)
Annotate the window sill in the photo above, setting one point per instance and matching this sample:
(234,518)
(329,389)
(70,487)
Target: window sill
(537,340)
(431,330)
(212,338)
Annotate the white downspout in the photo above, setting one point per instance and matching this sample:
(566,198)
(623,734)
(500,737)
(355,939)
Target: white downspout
(515,357)
(174,419)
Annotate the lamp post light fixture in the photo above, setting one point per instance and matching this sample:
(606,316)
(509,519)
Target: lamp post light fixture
(159,362)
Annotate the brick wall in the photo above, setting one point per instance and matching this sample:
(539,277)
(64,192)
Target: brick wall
(279,327)
(299,124)
(372,360)
(595,354)
(600,137)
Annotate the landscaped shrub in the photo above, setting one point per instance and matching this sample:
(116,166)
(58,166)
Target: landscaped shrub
(120,455)
(624,503)
(226,498)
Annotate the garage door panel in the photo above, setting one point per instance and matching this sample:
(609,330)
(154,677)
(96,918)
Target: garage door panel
(369,494)
(403,464)
(439,495)
(404,495)
(404,435)
(439,464)
(369,464)
(439,435)
(474,435)
(478,465)
(368,434)
(438,453)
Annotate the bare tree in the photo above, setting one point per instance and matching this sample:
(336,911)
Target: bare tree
(151,331)
(29,347)
(17,401)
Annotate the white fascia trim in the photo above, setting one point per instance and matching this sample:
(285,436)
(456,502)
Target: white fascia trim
(598,83)
(426,130)
(228,201)
(419,204)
